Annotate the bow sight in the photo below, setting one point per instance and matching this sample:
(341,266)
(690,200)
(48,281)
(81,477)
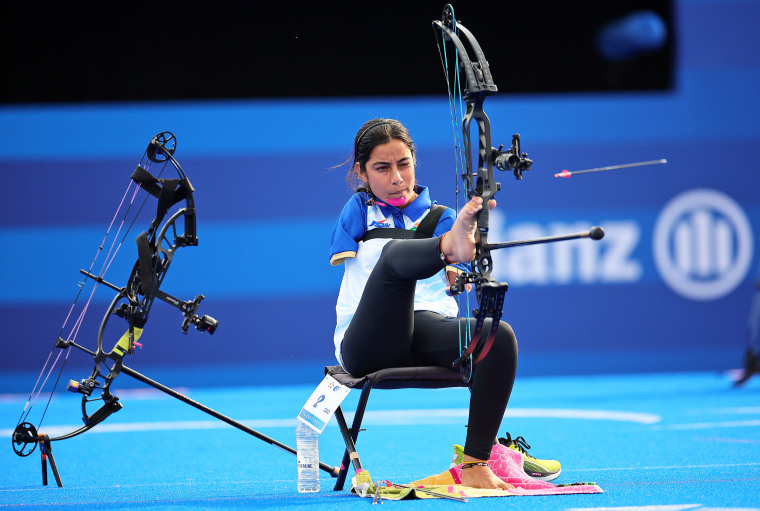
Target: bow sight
(511,159)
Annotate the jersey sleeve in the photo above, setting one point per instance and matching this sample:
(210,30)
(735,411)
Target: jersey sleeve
(444,225)
(445,222)
(349,228)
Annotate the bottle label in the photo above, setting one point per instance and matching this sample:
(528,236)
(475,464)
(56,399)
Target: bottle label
(322,403)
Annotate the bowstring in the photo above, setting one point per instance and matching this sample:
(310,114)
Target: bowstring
(454,89)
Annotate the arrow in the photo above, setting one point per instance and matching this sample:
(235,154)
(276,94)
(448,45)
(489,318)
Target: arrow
(567,173)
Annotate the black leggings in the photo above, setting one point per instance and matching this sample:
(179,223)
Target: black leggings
(386,332)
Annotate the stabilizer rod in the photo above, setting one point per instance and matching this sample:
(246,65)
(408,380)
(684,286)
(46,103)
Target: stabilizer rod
(595,233)
(333,471)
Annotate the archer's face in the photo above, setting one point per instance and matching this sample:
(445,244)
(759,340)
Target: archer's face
(390,172)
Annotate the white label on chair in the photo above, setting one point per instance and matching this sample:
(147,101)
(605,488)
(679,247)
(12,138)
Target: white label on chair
(322,404)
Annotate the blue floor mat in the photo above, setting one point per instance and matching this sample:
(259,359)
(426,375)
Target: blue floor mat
(681,440)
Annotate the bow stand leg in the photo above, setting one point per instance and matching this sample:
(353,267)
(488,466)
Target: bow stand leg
(47,452)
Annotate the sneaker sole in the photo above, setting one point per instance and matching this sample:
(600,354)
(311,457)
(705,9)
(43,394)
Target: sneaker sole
(545,477)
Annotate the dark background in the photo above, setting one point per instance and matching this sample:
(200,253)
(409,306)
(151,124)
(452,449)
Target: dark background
(164,50)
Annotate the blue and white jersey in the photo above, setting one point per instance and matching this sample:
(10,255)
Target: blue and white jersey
(360,215)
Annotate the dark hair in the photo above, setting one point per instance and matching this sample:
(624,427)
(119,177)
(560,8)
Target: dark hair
(370,135)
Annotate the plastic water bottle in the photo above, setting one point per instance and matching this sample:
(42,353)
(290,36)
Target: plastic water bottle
(307,444)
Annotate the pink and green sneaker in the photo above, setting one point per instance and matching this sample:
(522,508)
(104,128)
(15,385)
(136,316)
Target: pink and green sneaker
(541,470)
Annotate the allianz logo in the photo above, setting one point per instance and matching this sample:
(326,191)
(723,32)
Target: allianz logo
(610,260)
(702,246)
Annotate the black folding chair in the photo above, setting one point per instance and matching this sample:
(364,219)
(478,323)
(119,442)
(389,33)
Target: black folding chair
(394,378)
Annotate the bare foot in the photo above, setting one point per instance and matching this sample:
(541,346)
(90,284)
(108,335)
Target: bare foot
(482,477)
(459,243)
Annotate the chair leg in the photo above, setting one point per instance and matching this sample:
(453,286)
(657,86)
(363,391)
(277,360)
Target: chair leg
(350,435)
(344,463)
(360,406)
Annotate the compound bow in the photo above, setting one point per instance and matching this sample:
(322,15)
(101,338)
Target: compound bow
(481,181)
(133,302)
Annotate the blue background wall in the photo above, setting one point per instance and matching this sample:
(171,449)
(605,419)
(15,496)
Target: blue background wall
(267,196)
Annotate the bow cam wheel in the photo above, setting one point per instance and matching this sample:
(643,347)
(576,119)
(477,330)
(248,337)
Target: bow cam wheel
(24,439)
(162,147)
(448,16)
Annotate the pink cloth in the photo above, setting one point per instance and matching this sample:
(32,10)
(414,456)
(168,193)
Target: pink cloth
(507,464)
